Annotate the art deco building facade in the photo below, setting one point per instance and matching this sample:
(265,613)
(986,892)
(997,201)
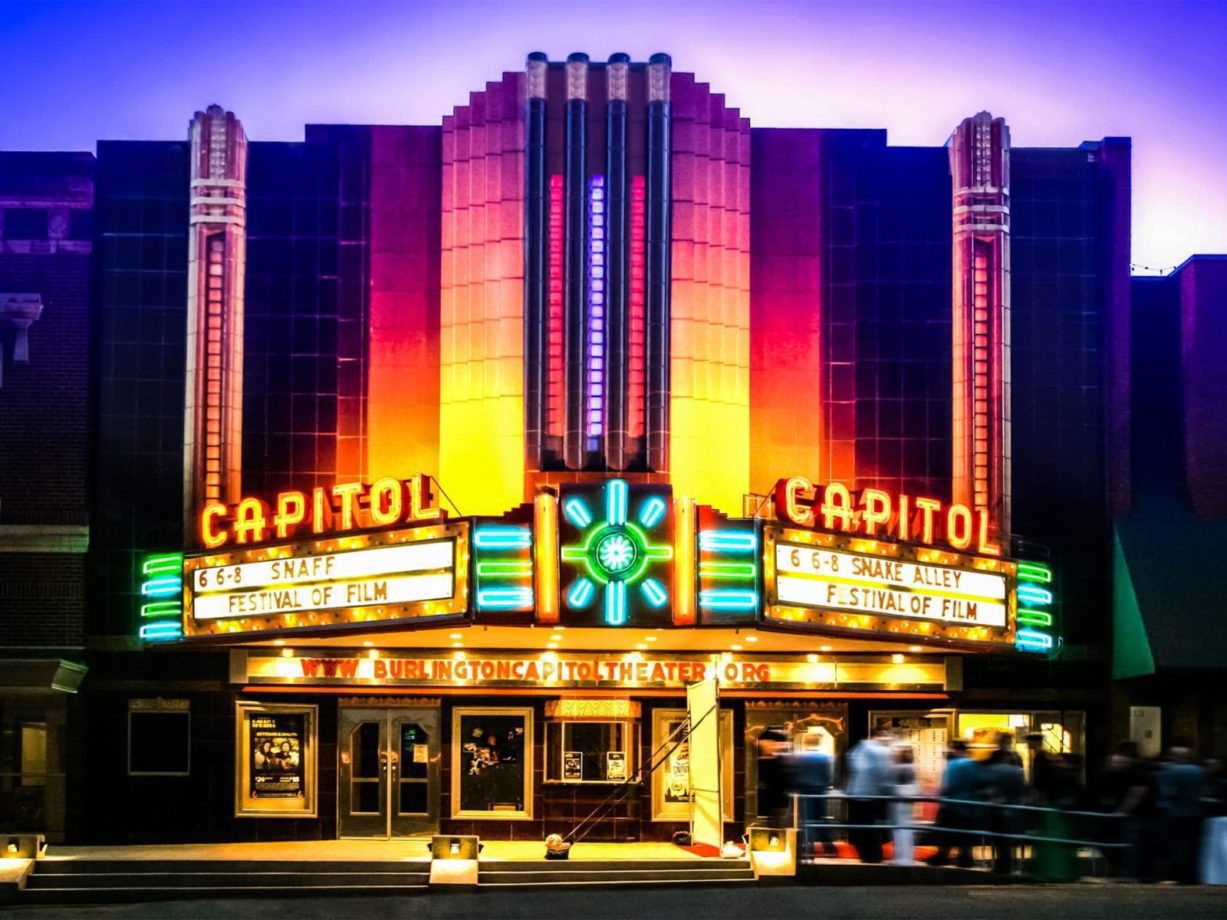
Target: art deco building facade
(596,317)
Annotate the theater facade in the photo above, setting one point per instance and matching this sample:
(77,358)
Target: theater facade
(435,463)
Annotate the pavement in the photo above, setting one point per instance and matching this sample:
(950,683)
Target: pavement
(1087,901)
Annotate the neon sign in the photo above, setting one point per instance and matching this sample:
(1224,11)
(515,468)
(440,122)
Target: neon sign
(345,506)
(877,514)
(621,558)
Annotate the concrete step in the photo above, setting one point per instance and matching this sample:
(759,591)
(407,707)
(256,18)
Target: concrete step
(228,879)
(567,865)
(153,893)
(630,875)
(159,866)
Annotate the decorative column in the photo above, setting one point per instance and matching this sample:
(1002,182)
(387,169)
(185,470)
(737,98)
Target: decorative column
(616,261)
(659,241)
(980,173)
(536,206)
(213,420)
(575,323)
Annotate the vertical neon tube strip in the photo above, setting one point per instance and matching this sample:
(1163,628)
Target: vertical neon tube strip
(556,402)
(575,327)
(616,319)
(536,320)
(545,556)
(596,306)
(659,272)
(636,393)
(684,564)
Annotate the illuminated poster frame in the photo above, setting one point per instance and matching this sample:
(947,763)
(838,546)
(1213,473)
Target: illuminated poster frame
(850,623)
(663,722)
(342,549)
(298,722)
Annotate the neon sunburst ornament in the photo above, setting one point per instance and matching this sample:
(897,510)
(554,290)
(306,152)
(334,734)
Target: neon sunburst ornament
(616,554)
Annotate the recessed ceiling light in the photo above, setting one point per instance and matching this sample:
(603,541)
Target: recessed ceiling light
(913,648)
(455,636)
(368,643)
(278,642)
(640,646)
(897,659)
(649,638)
(751,638)
(457,645)
(824,648)
(735,647)
(551,645)
(811,658)
(555,638)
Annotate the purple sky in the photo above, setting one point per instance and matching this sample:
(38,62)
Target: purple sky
(1060,73)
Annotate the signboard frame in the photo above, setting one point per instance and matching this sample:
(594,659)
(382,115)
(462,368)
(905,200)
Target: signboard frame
(851,624)
(339,618)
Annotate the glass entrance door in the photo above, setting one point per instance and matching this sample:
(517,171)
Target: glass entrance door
(389,772)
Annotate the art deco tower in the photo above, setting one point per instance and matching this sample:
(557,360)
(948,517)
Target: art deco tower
(213,430)
(595,283)
(980,179)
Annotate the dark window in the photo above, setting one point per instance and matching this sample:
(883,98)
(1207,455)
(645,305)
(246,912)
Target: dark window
(159,742)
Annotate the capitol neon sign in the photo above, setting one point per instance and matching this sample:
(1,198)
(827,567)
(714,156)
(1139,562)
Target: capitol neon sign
(345,506)
(878,514)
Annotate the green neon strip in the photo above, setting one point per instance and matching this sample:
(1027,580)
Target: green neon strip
(162,609)
(163,564)
(742,571)
(1034,571)
(1035,618)
(492,569)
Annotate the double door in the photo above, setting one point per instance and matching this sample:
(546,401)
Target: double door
(389,771)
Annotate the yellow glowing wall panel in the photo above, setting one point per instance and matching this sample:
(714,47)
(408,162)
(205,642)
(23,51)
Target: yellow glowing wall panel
(481,415)
(710,300)
(403,337)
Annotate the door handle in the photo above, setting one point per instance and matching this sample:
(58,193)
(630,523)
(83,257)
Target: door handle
(383,763)
(395,761)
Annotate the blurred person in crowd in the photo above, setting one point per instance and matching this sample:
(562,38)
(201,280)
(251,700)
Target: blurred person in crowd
(870,773)
(961,783)
(1181,784)
(904,838)
(1123,789)
(774,781)
(1003,784)
(813,774)
(1041,768)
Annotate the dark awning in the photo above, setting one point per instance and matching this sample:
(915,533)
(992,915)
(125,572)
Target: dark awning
(41,675)
(1169,603)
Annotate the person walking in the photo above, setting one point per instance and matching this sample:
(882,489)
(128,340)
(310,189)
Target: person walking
(1181,786)
(904,838)
(1004,786)
(813,775)
(774,782)
(870,775)
(960,784)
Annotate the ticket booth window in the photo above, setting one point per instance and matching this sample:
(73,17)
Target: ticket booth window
(588,752)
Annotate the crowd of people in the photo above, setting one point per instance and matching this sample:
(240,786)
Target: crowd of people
(1143,815)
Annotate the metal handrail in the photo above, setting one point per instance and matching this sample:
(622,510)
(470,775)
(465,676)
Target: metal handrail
(805,826)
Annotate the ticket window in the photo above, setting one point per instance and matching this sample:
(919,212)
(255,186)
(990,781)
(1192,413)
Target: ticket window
(589,752)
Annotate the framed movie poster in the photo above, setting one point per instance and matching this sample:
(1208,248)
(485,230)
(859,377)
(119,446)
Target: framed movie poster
(671,782)
(275,766)
(492,769)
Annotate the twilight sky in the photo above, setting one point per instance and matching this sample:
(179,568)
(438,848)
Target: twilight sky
(1059,72)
